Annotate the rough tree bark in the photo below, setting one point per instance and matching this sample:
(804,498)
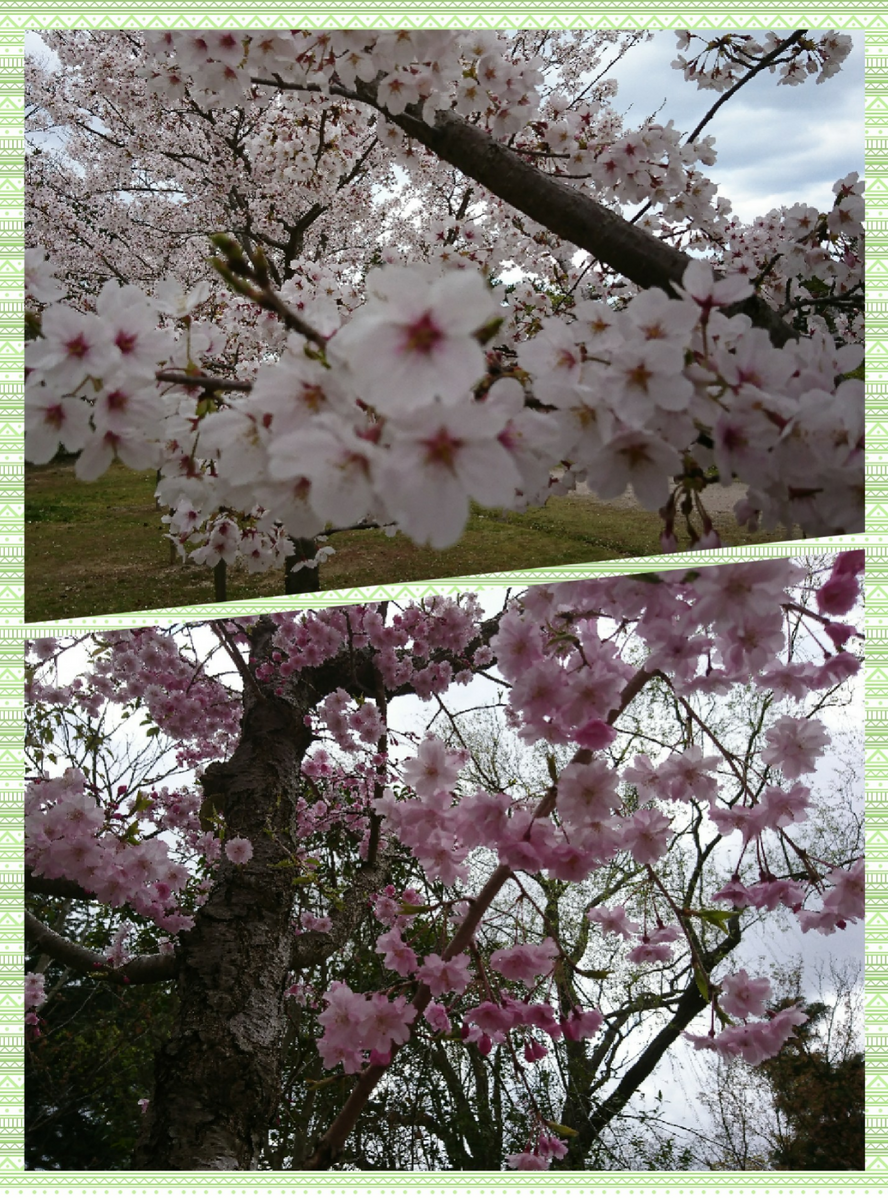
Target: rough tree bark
(217,1078)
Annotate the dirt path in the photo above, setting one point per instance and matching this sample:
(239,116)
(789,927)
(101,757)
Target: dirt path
(720,501)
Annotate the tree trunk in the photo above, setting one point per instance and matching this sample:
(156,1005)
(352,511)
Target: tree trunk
(217,1079)
(308,579)
(220,578)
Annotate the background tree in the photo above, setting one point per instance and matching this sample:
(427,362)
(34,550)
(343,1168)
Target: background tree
(803,1109)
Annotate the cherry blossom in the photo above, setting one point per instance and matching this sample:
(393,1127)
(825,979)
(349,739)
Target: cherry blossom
(794,745)
(613,920)
(525,962)
(744,997)
(239,850)
(414,338)
(440,976)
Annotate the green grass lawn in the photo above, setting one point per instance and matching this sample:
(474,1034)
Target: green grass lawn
(98,547)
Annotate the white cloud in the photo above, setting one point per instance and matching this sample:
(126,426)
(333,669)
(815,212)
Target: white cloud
(776,144)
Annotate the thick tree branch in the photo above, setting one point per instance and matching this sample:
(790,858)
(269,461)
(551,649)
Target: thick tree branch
(564,210)
(147,968)
(64,889)
(690,1004)
(314,947)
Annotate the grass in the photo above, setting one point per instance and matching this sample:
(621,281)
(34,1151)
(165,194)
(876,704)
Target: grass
(97,548)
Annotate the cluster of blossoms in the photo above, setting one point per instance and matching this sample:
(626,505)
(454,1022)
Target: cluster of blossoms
(146,667)
(70,837)
(91,377)
(572,657)
(35,996)
(476,75)
(741,997)
(470,71)
(723,60)
(354,1023)
(401,416)
(72,833)
(806,260)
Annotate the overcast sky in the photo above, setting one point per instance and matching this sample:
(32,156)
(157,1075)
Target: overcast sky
(776,144)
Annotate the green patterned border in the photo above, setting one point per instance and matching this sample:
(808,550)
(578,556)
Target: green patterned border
(866,17)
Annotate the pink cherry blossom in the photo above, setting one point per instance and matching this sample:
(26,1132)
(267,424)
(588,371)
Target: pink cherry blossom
(525,962)
(239,850)
(437,1017)
(398,955)
(646,835)
(794,745)
(613,920)
(580,1025)
(440,976)
(35,993)
(526,1161)
(744,997)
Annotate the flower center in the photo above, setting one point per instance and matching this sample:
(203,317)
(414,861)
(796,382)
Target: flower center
(422,336)
(117,400)
(441,449)
(78,347)
(639,376)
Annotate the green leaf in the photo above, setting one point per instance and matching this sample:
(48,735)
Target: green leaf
(716,916)
(815,286)
(314,1084)
(486,332)
(702,983)
(553,768)
(564,1130)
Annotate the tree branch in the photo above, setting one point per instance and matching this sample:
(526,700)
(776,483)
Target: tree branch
(314,947)
(564,210)
(761,65)
(207,382)
(147,968)
(63,889)
(690,1004)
